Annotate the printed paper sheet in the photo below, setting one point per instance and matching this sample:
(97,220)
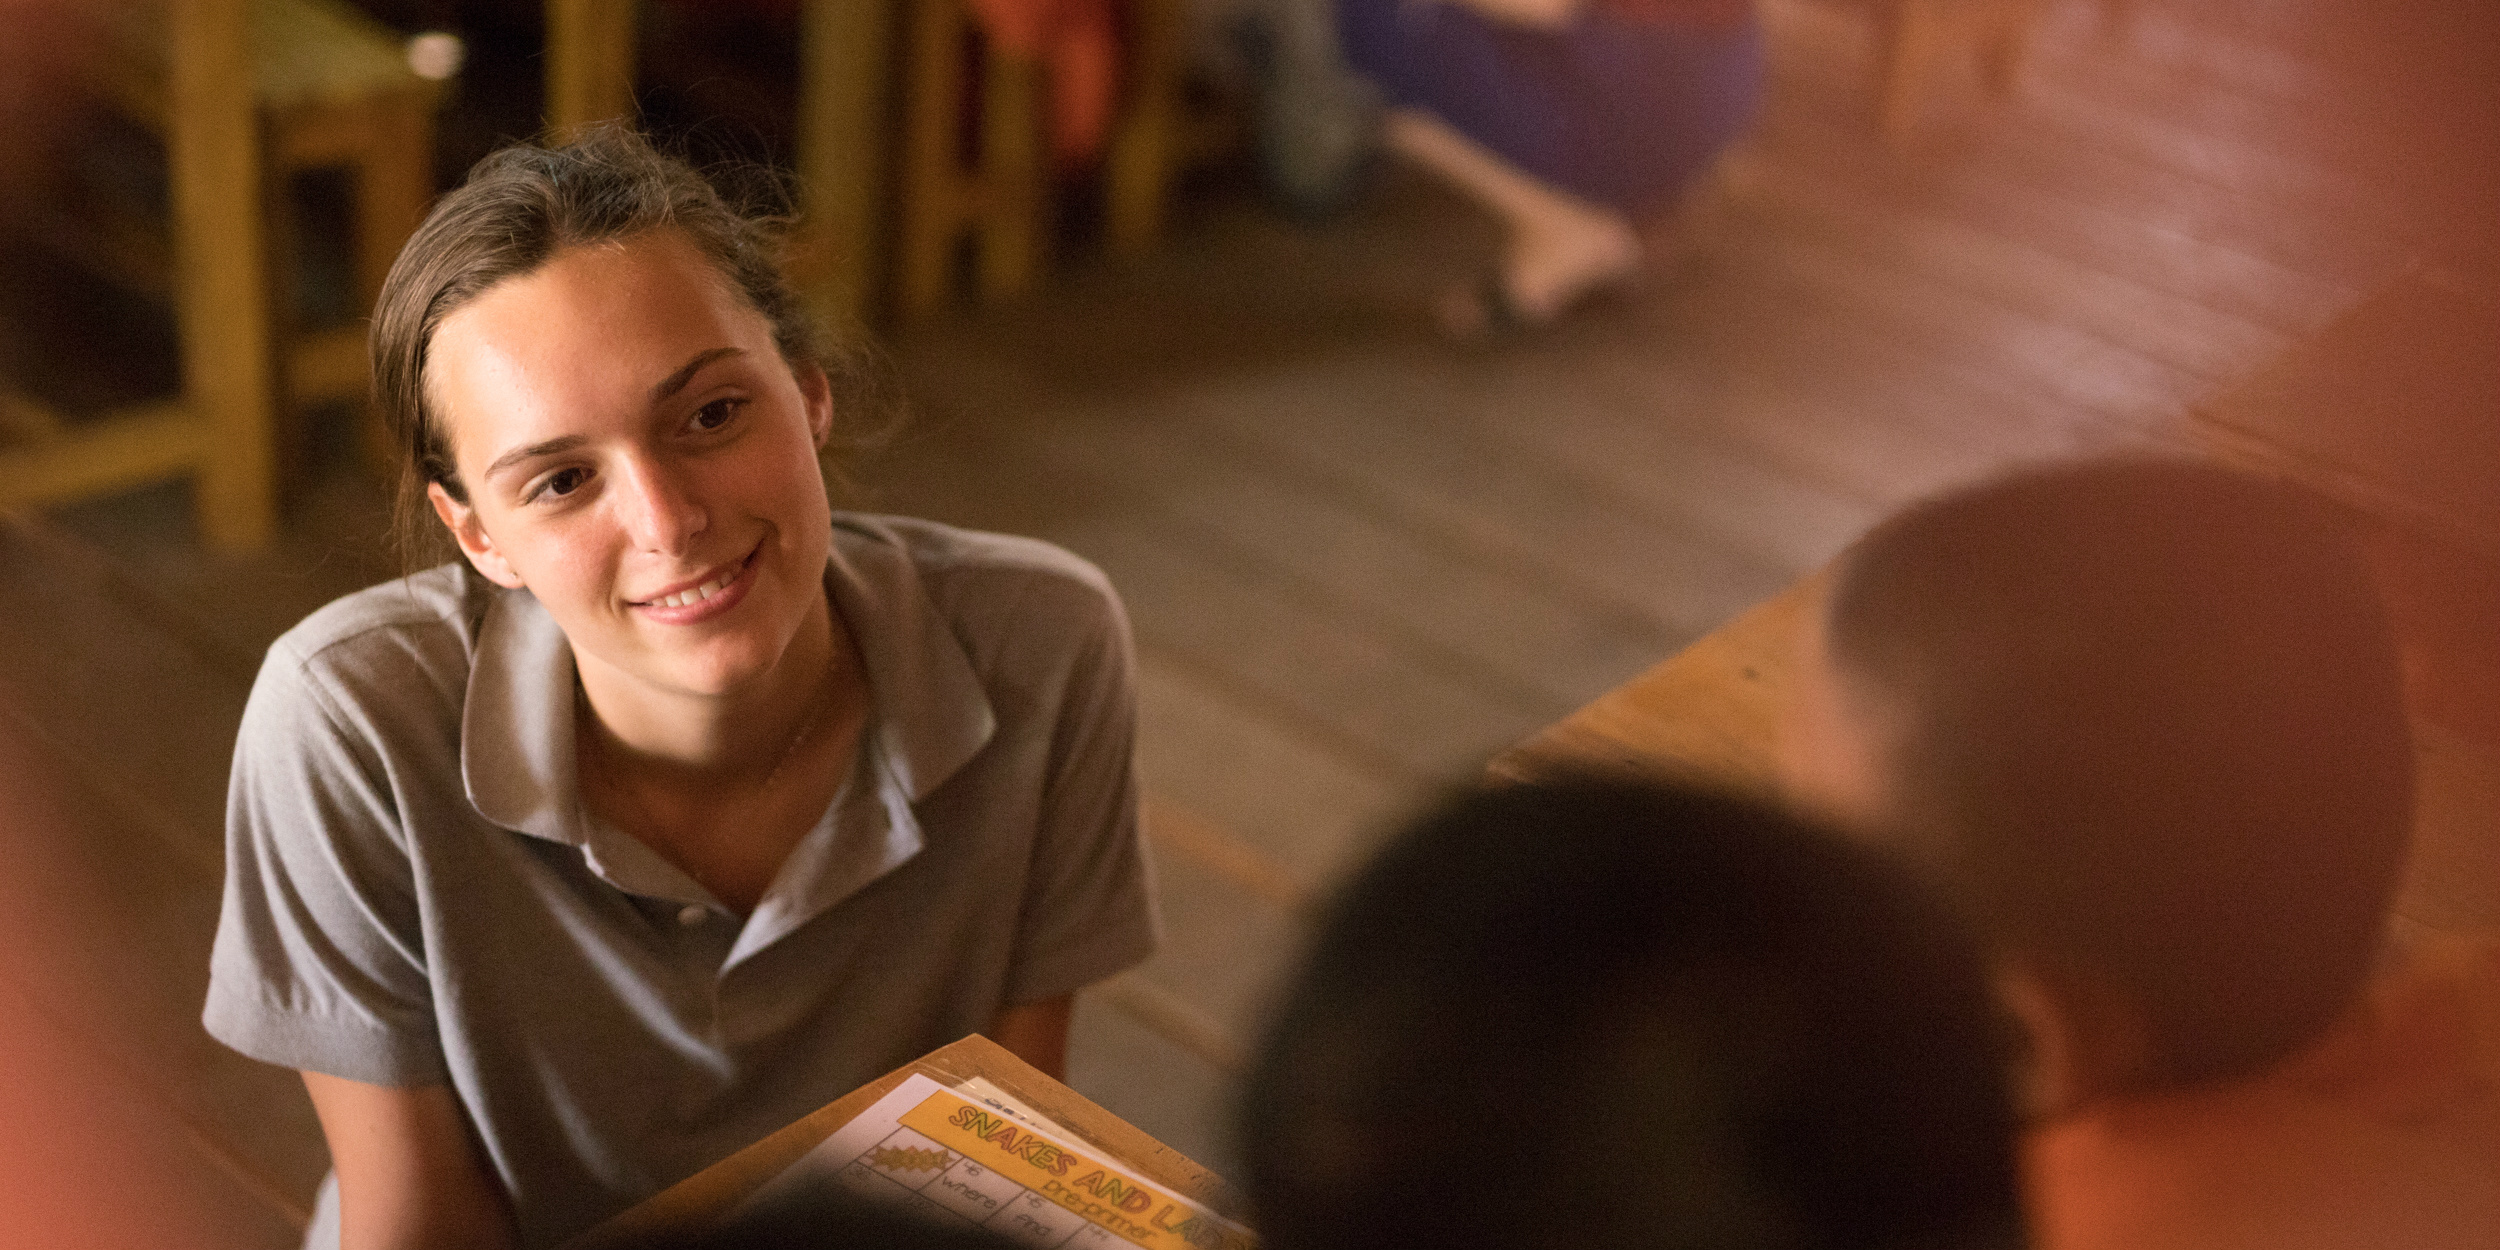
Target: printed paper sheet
(979,1157)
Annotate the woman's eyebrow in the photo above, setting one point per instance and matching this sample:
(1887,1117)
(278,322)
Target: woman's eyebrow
(676,382)
(533,451)
(666,387)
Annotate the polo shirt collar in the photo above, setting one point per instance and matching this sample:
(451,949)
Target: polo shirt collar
(929,710)
(516,722)
(932,713)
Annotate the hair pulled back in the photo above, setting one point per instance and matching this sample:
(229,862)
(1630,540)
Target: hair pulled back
(520,206)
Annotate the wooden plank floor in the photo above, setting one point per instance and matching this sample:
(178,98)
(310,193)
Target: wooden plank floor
(1360,559)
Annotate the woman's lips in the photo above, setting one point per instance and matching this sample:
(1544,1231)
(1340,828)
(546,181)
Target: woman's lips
(705,600)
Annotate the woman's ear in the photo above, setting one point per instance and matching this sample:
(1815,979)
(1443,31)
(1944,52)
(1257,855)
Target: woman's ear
(817,392)
(475,542)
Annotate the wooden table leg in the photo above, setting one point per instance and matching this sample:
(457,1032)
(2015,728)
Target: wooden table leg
(222,296)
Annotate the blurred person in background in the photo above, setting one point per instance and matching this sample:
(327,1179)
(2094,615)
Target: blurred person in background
(679,804)
(1593,1014)
(1571,121)
(2145,719)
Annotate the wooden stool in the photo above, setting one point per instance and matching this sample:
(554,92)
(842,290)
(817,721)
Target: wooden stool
(333,90)
(218,431)
(999,196)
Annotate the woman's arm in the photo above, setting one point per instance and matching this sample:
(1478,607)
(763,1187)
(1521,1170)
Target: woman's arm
(1037,1033)
(409,1174)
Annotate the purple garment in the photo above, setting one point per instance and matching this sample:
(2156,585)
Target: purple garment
(1613,110)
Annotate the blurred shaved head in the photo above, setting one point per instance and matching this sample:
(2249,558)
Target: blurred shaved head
(2146,717)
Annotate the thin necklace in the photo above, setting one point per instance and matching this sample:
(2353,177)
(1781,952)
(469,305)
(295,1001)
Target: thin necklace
(815,716)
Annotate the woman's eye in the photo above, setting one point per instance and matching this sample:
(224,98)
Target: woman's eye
(717,413)
(562,482)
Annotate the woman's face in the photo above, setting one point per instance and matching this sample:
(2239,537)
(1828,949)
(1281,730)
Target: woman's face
(639,456)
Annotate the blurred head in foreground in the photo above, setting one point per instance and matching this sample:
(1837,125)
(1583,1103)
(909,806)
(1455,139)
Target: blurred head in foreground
(2145,718)
(1597,1014)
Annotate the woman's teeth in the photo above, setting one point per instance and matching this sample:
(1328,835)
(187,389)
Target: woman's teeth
(696,595)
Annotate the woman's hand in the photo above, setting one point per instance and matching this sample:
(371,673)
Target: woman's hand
(409,1173)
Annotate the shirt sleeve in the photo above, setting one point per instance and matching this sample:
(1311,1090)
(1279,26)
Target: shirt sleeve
(319,962)
(1089,908)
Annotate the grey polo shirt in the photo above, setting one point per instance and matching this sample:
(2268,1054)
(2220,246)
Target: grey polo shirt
(415,895)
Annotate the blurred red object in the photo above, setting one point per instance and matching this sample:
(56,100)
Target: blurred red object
(1078,41)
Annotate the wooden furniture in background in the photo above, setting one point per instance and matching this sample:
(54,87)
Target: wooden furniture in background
(324,88)
(1709,713)
(336,92)
(218,431)
(590,62)
(997,195)
(714,1191)
(1000,196)
(845,50)
(844,54)
(1155,137)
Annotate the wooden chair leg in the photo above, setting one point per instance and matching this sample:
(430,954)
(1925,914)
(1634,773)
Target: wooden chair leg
(932,194)
(844,58)
(222,301)
(590,62)
(1012,169)
(290,382)
(1146,147)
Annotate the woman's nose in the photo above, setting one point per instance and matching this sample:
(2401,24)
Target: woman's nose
(662,510)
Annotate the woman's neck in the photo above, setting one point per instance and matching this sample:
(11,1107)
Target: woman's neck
(715,738)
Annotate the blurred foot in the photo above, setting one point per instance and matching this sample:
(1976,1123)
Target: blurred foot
(1554,262)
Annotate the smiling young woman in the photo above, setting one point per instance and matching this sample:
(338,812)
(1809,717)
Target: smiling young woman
(681,803)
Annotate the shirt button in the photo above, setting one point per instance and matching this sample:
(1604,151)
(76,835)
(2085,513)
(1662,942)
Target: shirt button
(691,914)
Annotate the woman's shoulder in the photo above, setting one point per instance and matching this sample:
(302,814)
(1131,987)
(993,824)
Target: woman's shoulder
(428,619)
(955,564)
